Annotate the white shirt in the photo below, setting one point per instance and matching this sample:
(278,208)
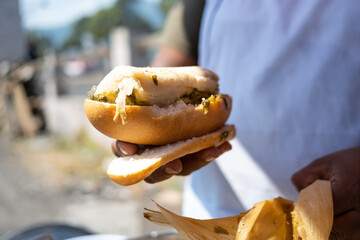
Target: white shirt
(293,70)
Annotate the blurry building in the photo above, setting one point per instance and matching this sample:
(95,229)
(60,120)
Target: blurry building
(120,48)
(134,43)
(12,38)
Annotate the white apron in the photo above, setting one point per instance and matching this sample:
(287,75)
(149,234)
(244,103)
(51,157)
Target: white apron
(293,70)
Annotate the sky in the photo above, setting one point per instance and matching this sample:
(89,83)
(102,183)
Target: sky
(46,14)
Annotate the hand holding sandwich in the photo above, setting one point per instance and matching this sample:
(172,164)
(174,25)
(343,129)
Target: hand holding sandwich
(182,166)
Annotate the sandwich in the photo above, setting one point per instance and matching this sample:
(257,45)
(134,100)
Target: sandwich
(173,111)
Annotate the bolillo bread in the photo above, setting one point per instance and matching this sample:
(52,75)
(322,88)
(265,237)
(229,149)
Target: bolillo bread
(152,125)
(133,169)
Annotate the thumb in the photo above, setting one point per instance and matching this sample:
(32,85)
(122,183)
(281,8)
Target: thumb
(120,148)
(309,174)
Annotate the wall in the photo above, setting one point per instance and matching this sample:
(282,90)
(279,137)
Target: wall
(12,39)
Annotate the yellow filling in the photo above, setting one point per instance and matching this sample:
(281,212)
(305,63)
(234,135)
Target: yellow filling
(195,97)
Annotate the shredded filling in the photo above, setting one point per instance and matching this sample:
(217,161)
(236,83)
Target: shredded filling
(125,87)
(126,94)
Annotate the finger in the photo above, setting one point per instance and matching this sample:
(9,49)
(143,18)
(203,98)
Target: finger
(345,187)
(192,162)
(308,175)
(226,146)
(165,172)
(198,160)
(346,226)
(121,148)
(345,196)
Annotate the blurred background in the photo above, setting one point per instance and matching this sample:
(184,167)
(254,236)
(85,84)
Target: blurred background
(52,161)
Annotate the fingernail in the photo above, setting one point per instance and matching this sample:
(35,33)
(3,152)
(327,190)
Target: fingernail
(170,171)
(209,159)
(123,150)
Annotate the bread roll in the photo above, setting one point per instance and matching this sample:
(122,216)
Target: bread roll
(152,125)
(132,169)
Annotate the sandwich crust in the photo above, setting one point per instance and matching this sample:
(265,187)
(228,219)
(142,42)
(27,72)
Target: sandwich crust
(152,125)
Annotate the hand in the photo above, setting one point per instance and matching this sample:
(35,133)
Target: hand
(183,166)
(343,170)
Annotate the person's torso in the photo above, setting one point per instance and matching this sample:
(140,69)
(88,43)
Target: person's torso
(293,70)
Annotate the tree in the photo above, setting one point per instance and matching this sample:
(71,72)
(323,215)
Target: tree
(101,24)
(36,45)
(80,27)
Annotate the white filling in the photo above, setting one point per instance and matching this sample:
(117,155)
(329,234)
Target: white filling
(174,108)
(126,87)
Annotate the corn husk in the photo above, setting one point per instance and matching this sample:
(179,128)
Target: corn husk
(194,229)
(313,213)
(267,220)
(310,218)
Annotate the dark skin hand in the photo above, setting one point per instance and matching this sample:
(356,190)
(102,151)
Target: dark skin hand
(182,167)
(342,169)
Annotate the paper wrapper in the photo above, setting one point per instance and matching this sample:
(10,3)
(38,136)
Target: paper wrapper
(310,218)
